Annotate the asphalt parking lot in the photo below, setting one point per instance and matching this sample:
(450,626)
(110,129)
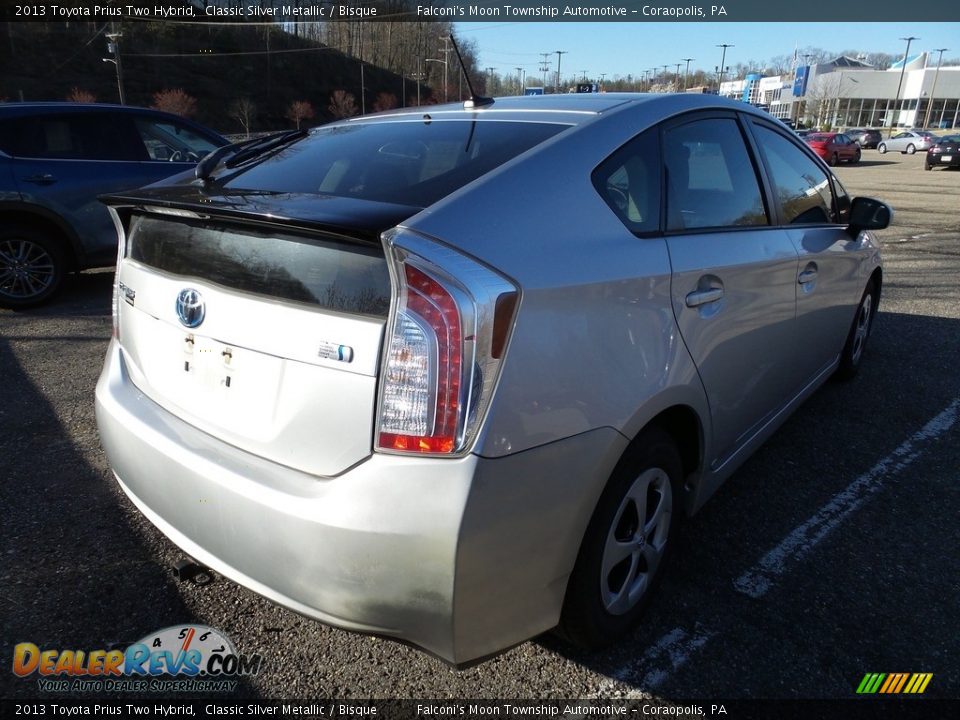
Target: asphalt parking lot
(832,553)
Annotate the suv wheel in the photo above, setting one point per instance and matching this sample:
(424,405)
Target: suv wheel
(32,267)
(626,544)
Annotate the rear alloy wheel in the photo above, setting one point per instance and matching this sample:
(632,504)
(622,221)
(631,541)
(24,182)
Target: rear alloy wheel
(833,160)
(626,544)
(32,267)
(911,149)
(881,148)
(852,355)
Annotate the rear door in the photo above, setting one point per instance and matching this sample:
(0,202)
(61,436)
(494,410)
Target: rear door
(734,276)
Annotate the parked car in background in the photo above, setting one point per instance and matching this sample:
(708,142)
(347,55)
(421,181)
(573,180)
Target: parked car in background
(55,159)
(833,147)
(866,138)
(352,371)
(908,141)
(945,152)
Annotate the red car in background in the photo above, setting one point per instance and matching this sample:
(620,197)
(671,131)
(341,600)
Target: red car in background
(833,147)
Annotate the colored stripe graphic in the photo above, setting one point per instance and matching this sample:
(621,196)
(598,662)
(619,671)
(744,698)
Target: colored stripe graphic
(894,683)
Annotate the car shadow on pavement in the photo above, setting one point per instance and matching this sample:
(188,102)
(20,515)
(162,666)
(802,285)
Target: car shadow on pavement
(887,444)
(76,571)
(869,163)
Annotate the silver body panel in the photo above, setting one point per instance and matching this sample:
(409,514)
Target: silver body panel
(466,556)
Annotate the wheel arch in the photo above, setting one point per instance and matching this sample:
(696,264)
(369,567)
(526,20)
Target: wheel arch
(48,222)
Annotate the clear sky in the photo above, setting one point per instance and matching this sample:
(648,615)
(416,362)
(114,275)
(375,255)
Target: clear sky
(632,47)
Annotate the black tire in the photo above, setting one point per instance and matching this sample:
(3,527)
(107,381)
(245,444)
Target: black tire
(601,605)
(911,149)
(852,356)
(32,266)
(927,166)
(833,160)
(881,148)
(856,158)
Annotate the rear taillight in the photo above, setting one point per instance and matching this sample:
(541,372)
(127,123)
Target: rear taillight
(449,325)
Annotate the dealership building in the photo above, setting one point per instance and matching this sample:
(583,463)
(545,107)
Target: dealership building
(846,92)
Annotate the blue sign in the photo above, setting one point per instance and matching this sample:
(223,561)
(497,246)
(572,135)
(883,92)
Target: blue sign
(800,81)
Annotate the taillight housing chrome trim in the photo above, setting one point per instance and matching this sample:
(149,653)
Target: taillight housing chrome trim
(446,339)
(121,253)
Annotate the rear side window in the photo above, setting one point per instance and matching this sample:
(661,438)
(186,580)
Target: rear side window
(332,275)
(72,136)
(409,163)
(800,186)
(629,182)
(711,181)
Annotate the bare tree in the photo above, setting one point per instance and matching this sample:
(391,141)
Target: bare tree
(343,104)
(243,111)
(175,101)
(77,95)
(821,99)
(300,110)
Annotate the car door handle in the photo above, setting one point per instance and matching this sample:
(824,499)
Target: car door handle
(702,297)
(807,276)
(41,179)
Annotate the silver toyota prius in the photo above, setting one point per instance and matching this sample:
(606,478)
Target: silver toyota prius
(453,374)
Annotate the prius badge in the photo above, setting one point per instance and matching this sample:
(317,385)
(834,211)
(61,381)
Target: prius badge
(190,308)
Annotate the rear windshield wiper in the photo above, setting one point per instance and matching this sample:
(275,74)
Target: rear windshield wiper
(237,153)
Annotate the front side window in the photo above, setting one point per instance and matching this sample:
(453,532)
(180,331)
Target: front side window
(801,187)
(711,181)
(171,142)
(629,182)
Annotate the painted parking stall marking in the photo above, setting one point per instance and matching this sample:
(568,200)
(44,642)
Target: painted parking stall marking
(758,580)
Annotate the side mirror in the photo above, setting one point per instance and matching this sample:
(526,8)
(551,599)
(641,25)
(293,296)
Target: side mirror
(868,214)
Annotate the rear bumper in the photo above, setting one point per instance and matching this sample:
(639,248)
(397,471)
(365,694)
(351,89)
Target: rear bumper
(463,557)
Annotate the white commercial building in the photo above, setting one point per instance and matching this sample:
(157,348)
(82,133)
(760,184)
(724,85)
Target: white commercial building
(845,93)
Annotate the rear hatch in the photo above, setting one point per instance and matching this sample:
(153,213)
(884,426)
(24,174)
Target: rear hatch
(265,336)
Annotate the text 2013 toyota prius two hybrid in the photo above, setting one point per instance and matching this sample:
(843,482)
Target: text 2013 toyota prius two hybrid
(452,375)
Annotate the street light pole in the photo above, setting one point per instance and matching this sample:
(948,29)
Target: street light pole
(896,99)
(723,67)
(113,46)
(686,74)
(438,60)
(926,118)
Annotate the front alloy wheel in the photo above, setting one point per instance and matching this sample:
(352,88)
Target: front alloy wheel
(627,543)
(881,148)
(911,149)
(852,355)
(31,268)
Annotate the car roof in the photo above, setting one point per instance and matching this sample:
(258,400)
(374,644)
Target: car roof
(572,108)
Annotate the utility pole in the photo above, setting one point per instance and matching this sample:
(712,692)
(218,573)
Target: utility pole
(363,92)
(113,47)
(676,87)
(489,90)
(926,118)
(686,74)
(446,64)
(559,53)
(545,68)
(602,76)
(519,80)
(896,100)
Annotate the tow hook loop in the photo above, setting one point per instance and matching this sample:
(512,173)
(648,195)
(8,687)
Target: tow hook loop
(189,570)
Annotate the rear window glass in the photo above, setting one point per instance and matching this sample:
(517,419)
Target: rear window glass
(411,163)
(332,275)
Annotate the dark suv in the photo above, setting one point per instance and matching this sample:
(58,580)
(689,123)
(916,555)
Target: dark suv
(55,159)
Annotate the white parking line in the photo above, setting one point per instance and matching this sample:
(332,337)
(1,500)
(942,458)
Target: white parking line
(760,578)
(675,648)
(653,667)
